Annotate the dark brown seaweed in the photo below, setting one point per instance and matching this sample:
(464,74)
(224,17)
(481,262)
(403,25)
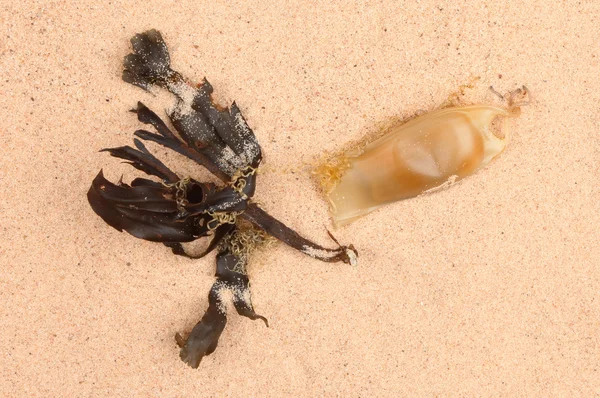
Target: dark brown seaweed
(231,276)
(279,230)
(177,210)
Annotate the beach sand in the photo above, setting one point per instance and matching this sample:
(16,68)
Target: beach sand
(488,288)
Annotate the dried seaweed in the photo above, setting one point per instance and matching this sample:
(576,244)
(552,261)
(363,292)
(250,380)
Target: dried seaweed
(177,210)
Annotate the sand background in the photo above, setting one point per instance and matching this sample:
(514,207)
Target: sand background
(488,288)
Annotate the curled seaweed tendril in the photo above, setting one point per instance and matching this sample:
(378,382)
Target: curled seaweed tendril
(178,210)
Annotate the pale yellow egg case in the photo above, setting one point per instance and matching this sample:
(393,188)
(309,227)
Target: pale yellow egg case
(424,154)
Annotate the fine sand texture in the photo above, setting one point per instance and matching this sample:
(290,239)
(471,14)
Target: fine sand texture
(488,288)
